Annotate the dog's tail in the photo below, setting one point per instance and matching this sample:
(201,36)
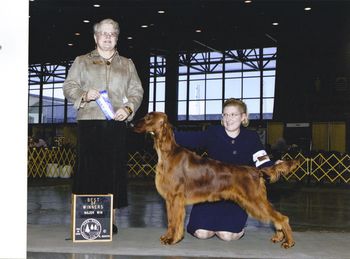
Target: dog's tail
(273,173)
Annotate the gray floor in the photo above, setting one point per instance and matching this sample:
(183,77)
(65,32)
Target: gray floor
(319,216)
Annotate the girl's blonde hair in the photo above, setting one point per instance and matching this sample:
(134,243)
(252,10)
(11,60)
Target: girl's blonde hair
(242,106)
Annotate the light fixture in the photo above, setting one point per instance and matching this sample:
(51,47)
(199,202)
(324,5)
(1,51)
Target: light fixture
(275,23)
(77,34)
(86,21)
(308,8)
(161,11)
(96,5)
(247,1)
(70,44)
(198,30)
(144,26)
(129,38)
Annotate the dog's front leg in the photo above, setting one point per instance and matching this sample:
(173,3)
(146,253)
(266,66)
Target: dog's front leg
(176,215)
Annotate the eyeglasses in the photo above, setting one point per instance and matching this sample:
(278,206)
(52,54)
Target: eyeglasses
(107,34)
(231,115)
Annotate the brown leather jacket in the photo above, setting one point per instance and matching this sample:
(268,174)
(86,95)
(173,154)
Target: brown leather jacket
(120,79)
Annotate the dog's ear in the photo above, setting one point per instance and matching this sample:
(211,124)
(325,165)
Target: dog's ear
(165,136)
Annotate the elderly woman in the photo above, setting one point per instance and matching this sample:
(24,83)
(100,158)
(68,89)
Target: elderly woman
(101,138)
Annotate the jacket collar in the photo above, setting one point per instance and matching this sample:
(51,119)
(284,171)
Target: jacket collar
(98,59)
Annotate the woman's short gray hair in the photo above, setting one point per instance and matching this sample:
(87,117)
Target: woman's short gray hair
(107,21)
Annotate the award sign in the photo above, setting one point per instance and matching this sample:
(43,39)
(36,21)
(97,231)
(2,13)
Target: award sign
(92,218)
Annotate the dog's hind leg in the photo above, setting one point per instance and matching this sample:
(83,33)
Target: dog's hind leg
(264,211)
(176,216)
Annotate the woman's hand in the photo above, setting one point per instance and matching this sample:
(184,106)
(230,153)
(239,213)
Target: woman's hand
(278,161)
(121,114)
(91,95)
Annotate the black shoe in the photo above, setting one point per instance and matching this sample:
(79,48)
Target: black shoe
(115,229)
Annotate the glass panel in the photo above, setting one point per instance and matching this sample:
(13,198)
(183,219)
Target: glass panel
(251,74)
(269,72)
(47,114)
(58,114)
(233,75)
(233,88)
(33,114)
(251,87)
(160,106)
(150,107)
(196,69)
(231,53)
(214,89)
(199,76)
(253,106)
(183,78)
(197,90)
(213,110)
(269,51)
(233,66)
(213,76)
(181,110)
(270,64)
(151,92)
(160,79)
(36,86)
(182,91)
(183,70)
(269,87)
(200,56)
(48,86)
(34,97)
(71,114)
(48,92)
(58,85)
(160,59)
(216,67)
(196,110)
(215,55)
(160,94)
(248,66)
(58,96)
(252,52)
(268,104)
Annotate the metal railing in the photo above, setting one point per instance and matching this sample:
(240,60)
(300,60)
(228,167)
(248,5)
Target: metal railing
(60,162)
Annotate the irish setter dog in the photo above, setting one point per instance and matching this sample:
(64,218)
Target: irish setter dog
(183,178)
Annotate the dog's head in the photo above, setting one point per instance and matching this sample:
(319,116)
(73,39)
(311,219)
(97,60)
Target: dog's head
(152,123)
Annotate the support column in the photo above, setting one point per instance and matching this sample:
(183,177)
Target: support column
(171,85)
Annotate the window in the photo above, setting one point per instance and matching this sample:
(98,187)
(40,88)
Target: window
(207,79)
(200,86)
(157,84)
(46,100)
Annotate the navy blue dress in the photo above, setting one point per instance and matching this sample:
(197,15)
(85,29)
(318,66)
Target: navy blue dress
(242,150)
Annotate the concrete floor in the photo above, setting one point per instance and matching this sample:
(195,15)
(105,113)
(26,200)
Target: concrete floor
(319,216)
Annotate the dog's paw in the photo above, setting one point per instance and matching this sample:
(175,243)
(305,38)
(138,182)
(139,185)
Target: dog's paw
(288,244)
(277,237)
(166,240)
(169,240)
